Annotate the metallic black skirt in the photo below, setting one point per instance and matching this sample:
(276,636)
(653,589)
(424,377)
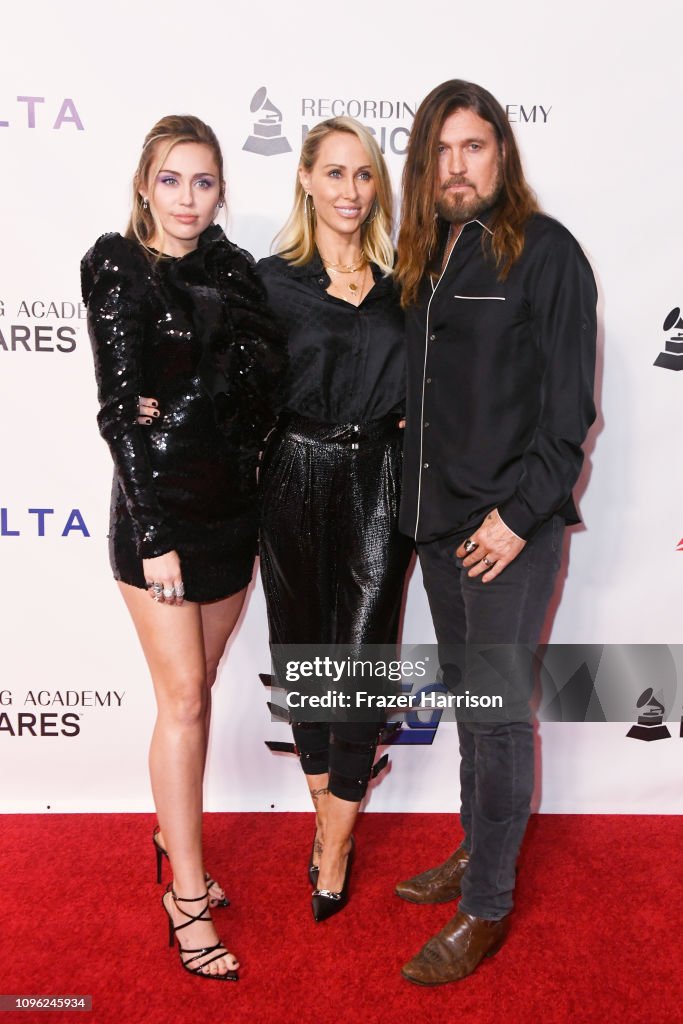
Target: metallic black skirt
(333,563)
(332,559)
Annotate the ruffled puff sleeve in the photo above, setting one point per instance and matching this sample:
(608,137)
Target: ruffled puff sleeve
(115,282)
(246,358)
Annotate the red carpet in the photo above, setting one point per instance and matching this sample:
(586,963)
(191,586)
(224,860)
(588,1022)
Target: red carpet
(596,934)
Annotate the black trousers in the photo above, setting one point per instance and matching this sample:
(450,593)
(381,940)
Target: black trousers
(333,563)
(496,758)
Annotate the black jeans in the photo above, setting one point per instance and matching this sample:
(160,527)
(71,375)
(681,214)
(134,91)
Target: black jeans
(497,758)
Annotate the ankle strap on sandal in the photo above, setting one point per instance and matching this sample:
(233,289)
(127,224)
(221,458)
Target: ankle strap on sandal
(186,899)
(191,918)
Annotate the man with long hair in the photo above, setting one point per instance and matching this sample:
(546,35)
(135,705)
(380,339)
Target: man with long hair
(501,326)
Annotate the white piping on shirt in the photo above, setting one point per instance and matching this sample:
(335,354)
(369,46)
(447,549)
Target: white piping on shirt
(424,367)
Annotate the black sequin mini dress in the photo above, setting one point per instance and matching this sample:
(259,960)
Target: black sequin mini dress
(194,333)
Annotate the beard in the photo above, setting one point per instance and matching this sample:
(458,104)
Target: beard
(459,208)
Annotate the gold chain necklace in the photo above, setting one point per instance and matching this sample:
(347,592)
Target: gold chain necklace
(353,287)
(346,268)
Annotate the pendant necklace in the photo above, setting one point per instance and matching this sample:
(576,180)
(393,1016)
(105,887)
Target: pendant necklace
(353,287)
(351,268)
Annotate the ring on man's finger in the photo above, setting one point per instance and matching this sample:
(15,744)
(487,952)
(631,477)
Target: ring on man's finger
(470,546)
(485,560)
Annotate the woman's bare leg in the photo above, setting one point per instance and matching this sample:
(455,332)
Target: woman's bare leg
(317,787)
(218,620)
(173,643)
(340,819)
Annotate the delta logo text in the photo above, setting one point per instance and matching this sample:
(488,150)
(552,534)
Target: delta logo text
(42,521)
(40,325)
(43,112)
(671,356)
(389,120)
(45,713)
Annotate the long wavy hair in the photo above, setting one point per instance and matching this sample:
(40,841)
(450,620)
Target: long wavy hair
(417,240)
(159,141)
(296,241)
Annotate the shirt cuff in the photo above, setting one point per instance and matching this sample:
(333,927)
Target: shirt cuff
(519,519)
(509,528)
(154,541)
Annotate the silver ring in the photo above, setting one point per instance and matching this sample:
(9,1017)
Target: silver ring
(470,546)
(158,588)
(169,592)
(180,590)
(155,596)
(485,560)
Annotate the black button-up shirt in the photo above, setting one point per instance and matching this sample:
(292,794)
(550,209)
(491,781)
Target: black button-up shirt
(346,362)
(500,386)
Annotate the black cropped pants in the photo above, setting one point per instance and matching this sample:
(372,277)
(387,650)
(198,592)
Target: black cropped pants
(333,563)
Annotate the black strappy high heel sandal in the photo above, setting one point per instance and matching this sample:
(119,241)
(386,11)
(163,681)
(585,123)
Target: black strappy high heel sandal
(202,955)
(160,852)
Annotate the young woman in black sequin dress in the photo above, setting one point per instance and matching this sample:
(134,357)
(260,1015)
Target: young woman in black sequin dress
(175,311)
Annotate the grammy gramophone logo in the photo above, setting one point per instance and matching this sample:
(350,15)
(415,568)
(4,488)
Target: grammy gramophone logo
(266,137)
(671,357)
(650,724)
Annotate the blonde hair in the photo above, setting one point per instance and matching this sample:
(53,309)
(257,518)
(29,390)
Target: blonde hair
(296,241)
(159,141)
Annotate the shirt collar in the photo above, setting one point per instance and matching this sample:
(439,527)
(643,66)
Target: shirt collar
(483,221)
(314,267)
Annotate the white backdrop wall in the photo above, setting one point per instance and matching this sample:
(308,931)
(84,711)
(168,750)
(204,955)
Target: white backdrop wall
(595,97)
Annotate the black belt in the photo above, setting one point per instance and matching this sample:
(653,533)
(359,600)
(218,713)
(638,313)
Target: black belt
(348,434)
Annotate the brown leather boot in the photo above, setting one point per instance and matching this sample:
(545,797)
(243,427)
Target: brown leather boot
(439,884)
(457,949)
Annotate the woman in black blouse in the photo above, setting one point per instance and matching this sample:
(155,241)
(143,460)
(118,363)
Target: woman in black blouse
(176,311)
(332,559)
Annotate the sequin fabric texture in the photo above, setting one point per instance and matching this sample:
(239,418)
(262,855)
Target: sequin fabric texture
(194,333)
